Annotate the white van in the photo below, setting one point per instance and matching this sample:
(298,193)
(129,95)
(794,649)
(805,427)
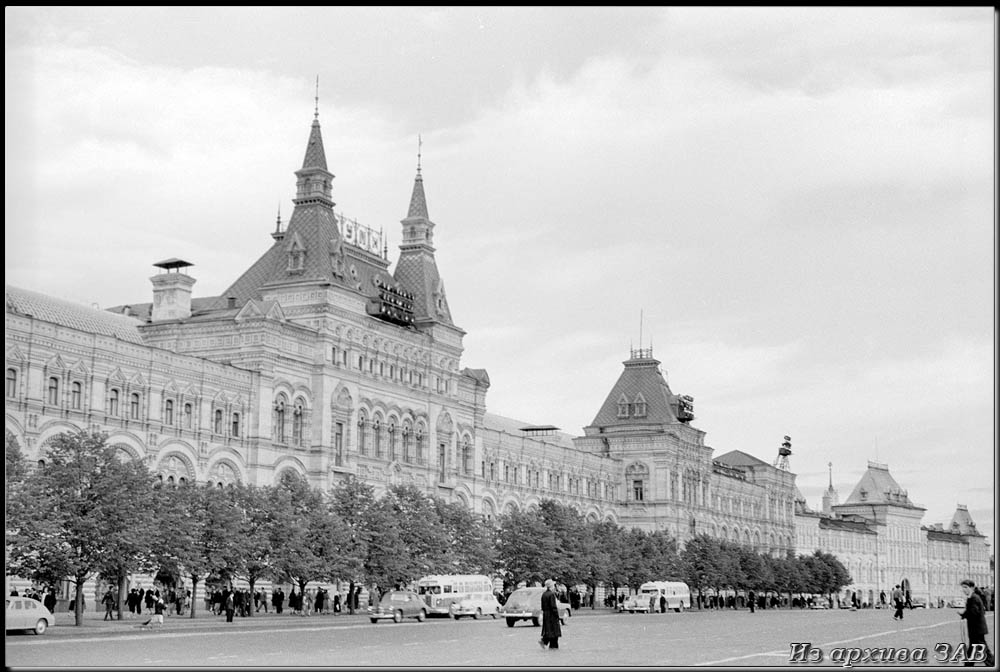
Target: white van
(677,594)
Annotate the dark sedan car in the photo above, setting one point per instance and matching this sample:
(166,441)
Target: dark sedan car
(397,605)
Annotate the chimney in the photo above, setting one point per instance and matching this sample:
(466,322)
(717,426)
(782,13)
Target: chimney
(172,291)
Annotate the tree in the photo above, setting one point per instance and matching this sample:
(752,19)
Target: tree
(82,497)
(526,547)
(200,533)
(306,535)
(469,540)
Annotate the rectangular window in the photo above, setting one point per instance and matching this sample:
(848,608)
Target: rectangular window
(236,424)
(168,412)
(11,383)
(53,391)
(134,406)
(338,443)
(637,490)
(77,396)
(188,416)
(113,403)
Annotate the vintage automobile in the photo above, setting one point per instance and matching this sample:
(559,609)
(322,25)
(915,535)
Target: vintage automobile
(397,605)
(525,604)
(476,605)
(25,613)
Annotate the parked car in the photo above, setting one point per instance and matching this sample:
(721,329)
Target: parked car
(525,604)
(918,603)
(397,605)
(476,605)
(957,603)
(25,613)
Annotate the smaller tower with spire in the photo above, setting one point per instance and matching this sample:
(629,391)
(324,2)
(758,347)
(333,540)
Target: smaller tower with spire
(830,497)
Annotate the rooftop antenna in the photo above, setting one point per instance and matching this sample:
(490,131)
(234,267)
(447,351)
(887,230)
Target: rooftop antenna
(316,113)
(640,329)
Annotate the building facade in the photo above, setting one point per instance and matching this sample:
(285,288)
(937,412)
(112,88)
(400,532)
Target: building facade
(319,360)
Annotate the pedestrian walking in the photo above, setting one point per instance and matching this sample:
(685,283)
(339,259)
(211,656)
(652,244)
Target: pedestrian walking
(975,618)
(109,605)
(551,631)
(752,601)
(897,601)
(230,607)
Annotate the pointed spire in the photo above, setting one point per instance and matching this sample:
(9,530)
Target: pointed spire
(418,202)
(277,226)
(830,465)
(315,155)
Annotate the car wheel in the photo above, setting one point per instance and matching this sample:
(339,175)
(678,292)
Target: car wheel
(511,622)
(456,617)
(422,615)
(398,617)
(680,609)
(495,615)
(374,620)
(535,622)
(41,626)
(476,616)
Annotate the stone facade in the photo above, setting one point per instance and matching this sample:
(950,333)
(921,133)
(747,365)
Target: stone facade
(319,360)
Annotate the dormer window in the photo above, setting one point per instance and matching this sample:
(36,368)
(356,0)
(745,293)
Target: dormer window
(296,259)
(623,407)
(864,494)
(640,406)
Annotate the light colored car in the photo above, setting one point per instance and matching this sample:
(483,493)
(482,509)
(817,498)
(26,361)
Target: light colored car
(476,605)
(957,603)
(918,603)
(397,605)
(525,604)
(25,613)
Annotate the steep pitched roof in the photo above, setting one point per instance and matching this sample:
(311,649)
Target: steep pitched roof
(962,521)
(73,315)
(877,486)
(737,458)
(640,382)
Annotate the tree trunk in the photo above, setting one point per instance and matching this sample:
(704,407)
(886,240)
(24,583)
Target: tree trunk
(194,594)
(78,603)
(253,606)
(122,592)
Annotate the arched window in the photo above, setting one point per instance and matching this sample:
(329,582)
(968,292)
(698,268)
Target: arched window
(134,406)
(217,425)
(168,411)
(362,423)
(297,424)
(406,442)
(53,391)
(236,425)
(391,429)
(420,445)
(188,416)
(76,395)
(377,433)
(279,420)
(467,457)
(11,383)
(113,402)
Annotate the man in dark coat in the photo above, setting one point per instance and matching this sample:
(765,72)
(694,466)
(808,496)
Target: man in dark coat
(975,616)
(551,632)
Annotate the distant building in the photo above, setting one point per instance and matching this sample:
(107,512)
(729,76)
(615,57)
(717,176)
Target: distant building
(877,534)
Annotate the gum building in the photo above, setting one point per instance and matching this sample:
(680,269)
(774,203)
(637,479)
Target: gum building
(327,359)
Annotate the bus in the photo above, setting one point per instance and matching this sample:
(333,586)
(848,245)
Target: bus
(677,594)
(438,591)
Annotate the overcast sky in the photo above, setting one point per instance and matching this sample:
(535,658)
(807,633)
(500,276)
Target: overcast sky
(798,202)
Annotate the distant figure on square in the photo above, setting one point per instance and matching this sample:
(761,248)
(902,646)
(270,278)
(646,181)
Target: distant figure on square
(897,601)
(551,632)
(975,617)
(752,601)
